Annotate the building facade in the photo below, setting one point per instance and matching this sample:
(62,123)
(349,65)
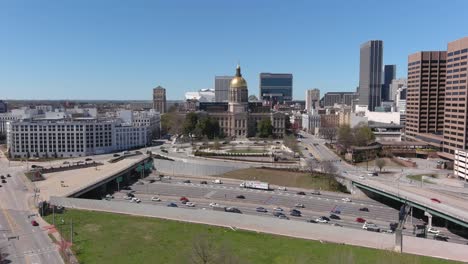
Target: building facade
(460,164)
(425,97)
(222,88)
(389,75)
(276,88)
(312,100)
(370,74)
(342,98)
(456,109)
(159,99)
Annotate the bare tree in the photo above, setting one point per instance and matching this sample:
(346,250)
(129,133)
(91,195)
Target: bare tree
(328,167)
(203,250)
(329,133)
(312,165)
(380,163)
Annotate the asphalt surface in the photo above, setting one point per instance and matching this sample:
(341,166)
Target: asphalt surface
(314,205)
(32,244)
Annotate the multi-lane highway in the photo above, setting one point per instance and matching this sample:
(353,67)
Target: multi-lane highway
(22,242)
(314,205)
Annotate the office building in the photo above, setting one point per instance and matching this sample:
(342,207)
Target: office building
(3,107)
(460,164)
(389,75)
(312,100)
(370,74)
(331,98)
(222,88)
(456,111)
(159,100)
(395,86)
(425,93)
(276,88)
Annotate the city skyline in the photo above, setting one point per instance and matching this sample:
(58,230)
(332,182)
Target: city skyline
(135,48)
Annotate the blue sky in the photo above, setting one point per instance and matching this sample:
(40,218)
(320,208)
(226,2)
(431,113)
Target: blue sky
(122,49)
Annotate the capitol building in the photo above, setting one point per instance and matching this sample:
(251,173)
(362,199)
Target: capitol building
(238,118)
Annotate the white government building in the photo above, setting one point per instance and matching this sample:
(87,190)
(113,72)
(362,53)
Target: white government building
(57,134)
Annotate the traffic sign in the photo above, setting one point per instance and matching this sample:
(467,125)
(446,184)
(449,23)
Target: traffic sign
(119,179)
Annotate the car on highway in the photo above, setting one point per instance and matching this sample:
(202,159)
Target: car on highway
(109,196)
(364,209)
(441,238)
(127,198)
(306,148)
(346,200)
(301,193)
(171,205)
(214,204)
(131,195)
(155,199)
(277,214)
(8,175)
(367,225)
(311,221)
(334,216)
(299,205)
(34,223)
(360,220)
(189,204)
(217,181)
(261,210)
(315,192)
(1,186)
(435,200)
(2,177)
(323,219)
(283,217)
(433,230)
(135,200)
(88,159)
(240,197)
(362,177)
(126,188)
(3,181)
(203,182)
(233,210)
(278,209)
(393,226)
(186,181)
(295,212)
(282,188)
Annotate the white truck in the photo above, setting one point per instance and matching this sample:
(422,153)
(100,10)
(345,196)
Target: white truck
(255,185)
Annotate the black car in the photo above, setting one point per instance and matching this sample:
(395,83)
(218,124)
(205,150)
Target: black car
(126,188)
(325,218)
(116,155)
(3,177)
(203,182)
(186,181)
(311,221)
(301,193)
(171,205)
(393,226)
(261,210)
(88,159)
(240,197)
(441,238)
(364,209)
(233,210)
(130,195)
(295,213)
(277,214)
(334,216)
(8,175)
(3,181)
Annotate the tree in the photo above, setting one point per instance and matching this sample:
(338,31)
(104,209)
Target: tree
(252,98)
(312,165)
(287,123)
(329,133)
(206,250)
(264,128)
(328,167)
(291,142)
(190,123)
(363,135)
(171,123)
(345,136)
(380,163)
(207,126)
(216,144)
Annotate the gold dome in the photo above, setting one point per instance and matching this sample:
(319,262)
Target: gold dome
(238,81)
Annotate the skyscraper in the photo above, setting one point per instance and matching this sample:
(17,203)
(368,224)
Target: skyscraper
(389,75)
(276,87)
(312,99)
(425,93)
(456,111)
(159,99)
(370,74)
(222,88)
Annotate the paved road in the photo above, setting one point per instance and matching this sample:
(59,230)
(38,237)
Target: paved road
(33,244)
(315,205)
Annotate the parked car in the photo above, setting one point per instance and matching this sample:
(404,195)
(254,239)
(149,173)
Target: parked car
(360,220)
(88,159)
(435,200)
(301,193)
(299,205)
(283,217)
(213,204)
(2,177)
(261,210)
(34,223)
(8,175)
(295,212)
(433,230)
(171,205)
(240,197)
(203,182)
(334,216)
(186,181)
(155,199)
(346,199)
(282,188)
(189,204)
(364,209)
(323,219)
(116,155)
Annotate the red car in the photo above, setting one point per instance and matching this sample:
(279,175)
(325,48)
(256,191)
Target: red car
(360,220)
(435,200)
(34,223)
(184,199)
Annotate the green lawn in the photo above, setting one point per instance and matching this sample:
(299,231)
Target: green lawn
(114,238)
(287,178)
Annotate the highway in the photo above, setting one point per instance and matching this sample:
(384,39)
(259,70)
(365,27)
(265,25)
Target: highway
(314,205)
(32,245)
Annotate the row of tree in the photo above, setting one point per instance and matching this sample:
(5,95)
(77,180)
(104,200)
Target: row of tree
(360,135)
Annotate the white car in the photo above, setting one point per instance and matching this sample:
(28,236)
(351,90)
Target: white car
(155,199)
(346,200)
(190,204)
(367,225)
(135,200)
(217,181)
(214,204)
(278,209)
(433,230)
(362,177)
(128,198)
(321,220)
(282,188)
(299,205)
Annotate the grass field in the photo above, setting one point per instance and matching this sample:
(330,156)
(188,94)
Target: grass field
(286,178)
(114,238)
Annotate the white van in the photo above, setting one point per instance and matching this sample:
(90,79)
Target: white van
(217,181)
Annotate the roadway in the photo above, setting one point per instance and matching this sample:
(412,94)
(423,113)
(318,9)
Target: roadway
(32,244)
(314,205)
